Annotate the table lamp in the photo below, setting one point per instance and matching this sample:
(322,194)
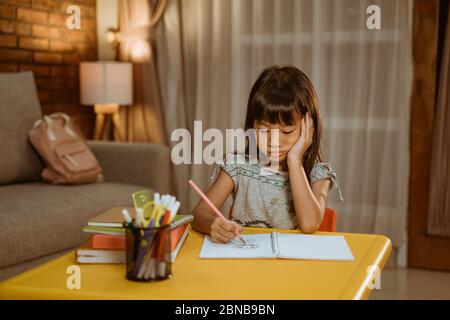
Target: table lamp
(106,85)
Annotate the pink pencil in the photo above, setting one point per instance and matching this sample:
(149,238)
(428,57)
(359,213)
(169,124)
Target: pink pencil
(208,202)
(206,199)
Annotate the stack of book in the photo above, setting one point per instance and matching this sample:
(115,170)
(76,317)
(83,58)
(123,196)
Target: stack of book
(107,244)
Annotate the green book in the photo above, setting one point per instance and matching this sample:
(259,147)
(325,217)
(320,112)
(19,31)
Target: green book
(105,230)
(179,220)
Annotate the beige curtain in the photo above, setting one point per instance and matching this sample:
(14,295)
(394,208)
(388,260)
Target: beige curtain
(439,202)
(194,43)
(143,121)
(211,52)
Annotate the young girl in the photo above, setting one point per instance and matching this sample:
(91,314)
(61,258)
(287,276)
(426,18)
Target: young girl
(290,197)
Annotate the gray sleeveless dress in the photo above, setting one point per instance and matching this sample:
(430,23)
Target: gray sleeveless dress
(262,197)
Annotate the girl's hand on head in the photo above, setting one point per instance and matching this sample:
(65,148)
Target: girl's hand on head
(304,141)
(223,231)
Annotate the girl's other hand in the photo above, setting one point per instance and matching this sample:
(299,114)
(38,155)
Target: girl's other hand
(304,141)
(223,231)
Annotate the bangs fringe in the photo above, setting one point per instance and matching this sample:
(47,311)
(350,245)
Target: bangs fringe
(276,114)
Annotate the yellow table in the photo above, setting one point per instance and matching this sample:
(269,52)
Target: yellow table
(195,278)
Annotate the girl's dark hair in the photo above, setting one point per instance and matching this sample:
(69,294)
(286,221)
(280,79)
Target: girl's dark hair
(277,95)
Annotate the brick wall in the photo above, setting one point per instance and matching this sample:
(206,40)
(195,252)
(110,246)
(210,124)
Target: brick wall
(34,37)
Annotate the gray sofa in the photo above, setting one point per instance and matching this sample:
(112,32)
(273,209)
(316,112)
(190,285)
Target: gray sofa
(39,221)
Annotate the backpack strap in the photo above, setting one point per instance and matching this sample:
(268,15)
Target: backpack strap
(50,120)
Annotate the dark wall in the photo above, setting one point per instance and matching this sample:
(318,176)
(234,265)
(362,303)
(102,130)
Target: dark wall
(443,18)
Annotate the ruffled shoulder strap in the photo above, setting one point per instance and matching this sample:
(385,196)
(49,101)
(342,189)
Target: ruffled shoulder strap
(322,171)
(229,162)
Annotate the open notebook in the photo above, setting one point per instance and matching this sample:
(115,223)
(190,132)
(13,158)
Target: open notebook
(280,245)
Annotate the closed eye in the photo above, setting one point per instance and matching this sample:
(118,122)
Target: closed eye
(288,132)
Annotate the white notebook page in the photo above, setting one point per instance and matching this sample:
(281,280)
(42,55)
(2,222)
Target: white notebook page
(233,250)
(310,247)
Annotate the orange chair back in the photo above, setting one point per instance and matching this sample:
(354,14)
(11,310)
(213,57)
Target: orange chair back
(329,221)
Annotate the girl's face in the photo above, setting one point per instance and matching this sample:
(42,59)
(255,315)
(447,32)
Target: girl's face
(277,148)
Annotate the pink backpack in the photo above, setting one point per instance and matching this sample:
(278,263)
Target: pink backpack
(63,148)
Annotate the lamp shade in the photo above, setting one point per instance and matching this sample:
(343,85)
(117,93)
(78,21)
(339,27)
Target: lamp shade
(106,83)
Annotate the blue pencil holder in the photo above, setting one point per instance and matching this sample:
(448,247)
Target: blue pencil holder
(148,254)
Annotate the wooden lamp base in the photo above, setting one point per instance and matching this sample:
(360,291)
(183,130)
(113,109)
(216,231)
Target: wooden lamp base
(107,113)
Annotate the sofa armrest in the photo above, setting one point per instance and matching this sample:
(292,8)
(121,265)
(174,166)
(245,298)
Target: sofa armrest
(135,163)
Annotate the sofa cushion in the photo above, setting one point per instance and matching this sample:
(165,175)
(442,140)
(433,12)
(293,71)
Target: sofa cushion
(38,219)
(19,109)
